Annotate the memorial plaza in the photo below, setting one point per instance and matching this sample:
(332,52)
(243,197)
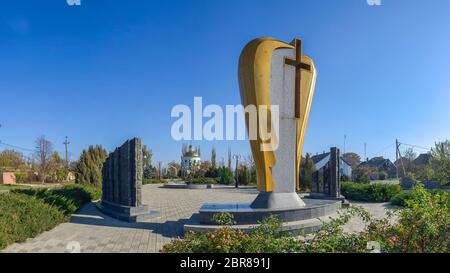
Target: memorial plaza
(98,233)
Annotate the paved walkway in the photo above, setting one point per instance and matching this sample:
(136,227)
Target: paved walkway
(91,231)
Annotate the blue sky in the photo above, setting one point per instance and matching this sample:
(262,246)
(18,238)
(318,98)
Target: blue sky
(106,71)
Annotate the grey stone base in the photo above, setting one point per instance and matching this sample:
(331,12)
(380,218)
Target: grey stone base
(187,186)
(277,200)
(126,213)
(301,227)
(302,219)
(314,195)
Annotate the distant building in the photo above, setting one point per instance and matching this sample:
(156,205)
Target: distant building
(321,160)
(380,164)
(7,178)
(190,158)
(422,160)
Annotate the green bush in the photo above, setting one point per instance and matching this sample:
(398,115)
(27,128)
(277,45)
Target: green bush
(68,199)
(89,168)
(369,192)
(21,177)
(147,181)
(266,238)
(202,180)
(212,172)
(24,213)
(225,176)
(383,175)
(422,227)
(362,174)
(400,198)
(345,178)
(23,216)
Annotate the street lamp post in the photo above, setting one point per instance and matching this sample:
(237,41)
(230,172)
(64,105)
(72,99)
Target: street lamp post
(236,157)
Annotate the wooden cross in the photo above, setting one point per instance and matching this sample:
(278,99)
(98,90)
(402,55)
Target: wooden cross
(297,63)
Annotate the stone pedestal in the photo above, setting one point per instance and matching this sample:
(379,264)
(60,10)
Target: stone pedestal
(277,200)
(127,213)
(299,220)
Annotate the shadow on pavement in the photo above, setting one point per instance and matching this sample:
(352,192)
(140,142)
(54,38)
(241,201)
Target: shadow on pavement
(90,215)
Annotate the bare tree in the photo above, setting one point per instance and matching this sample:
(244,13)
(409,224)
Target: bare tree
(43,154)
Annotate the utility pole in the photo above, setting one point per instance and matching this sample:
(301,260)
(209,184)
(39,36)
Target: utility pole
(236,157)
(398,156)
(229,159)
(365,151)
(159,170)
(345,139)
(66,143)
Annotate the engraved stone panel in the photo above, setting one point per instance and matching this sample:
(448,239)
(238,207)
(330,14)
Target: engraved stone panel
(122,174)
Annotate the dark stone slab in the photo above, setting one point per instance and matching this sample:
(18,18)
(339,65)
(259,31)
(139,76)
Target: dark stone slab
(122,182)
(244,214)
(326,180)
(116,176)
(407,183)
(335,175)
(432,185)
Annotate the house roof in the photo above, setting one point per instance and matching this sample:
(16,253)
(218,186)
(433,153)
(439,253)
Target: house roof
(318,158)
(377,162)
(422,159)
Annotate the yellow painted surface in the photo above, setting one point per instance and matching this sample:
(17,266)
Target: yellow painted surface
(254,83)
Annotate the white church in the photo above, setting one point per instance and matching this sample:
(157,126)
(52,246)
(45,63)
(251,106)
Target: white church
(190,158)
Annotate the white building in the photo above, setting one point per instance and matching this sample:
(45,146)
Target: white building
(321,160)
(190,158)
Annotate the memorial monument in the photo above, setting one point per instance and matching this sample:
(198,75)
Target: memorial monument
(275,73)
(326,181)
(272,72)
(122,183)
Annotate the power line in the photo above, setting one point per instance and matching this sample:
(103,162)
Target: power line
(415,146)
(382,150)
(15,146)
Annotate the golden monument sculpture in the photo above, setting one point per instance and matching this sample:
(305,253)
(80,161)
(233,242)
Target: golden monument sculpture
(274,72)
(276,77)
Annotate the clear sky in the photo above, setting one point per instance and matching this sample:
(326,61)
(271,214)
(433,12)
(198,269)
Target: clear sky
(109,70)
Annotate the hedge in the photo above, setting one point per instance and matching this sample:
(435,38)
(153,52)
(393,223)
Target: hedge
(401,198)
(25,213)
(202,180)
(147,181)
(23,216)
(68,199)
(369,192)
